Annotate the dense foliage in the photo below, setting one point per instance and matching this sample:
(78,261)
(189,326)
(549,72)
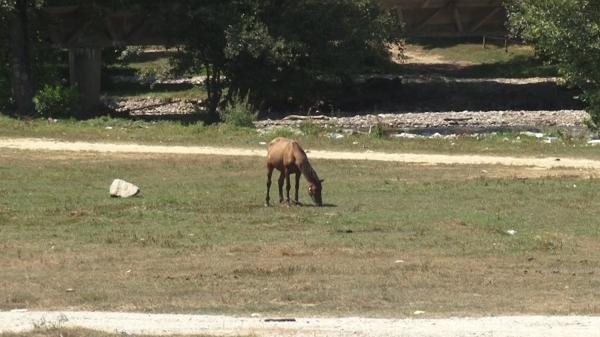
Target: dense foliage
(37,59)
(269,51)
(281,50)
(568,33)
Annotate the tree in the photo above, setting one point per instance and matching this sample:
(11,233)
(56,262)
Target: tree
(16,14)
(567,32)
(5,93)
(270,50)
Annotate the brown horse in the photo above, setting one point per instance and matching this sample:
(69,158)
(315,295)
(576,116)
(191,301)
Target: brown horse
(287,156)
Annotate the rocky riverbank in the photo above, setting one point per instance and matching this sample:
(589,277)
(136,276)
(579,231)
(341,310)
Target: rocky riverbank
(443,122)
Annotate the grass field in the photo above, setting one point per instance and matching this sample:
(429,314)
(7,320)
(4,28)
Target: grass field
(394,238)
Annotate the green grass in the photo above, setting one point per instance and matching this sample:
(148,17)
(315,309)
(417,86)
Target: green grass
(468,58)
(198,238)
(175,133)
(472,53)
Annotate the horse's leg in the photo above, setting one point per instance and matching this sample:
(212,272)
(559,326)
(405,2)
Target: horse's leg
(297,186)
(288,186)
(280,183)
(269,174)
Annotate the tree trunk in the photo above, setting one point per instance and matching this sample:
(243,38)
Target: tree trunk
(85,67)
(21,78)
(214,92)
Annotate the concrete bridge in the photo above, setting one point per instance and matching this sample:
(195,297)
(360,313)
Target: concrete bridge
(85,29)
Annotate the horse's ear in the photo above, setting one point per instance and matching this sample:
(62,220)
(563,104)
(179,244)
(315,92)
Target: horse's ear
(322,180)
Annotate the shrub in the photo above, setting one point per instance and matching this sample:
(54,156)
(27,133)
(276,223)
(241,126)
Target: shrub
(56,101)
(239,113)
(377,131)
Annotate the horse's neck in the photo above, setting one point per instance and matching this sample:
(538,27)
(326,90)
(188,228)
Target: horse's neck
(309,173)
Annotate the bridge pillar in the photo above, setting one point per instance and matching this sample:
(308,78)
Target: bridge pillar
(85,66)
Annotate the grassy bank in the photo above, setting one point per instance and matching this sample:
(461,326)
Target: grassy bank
(393,239)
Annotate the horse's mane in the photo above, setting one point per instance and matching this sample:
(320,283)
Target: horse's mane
(309,173)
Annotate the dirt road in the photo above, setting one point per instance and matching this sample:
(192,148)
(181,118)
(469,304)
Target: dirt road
(172,324)
(431,159)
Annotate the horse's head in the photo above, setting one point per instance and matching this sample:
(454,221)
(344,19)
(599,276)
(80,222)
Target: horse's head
(314,190)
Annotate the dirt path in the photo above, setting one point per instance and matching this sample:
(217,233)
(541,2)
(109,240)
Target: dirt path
(431,159)
(173,324)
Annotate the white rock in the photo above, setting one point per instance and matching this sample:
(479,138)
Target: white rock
(418,312)
(122,189)
(532,134)
(594,142)
(406,135)
(511,232)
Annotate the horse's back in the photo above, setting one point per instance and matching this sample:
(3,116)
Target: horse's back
(281,152)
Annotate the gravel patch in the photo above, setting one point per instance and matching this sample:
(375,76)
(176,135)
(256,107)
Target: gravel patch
(173,324)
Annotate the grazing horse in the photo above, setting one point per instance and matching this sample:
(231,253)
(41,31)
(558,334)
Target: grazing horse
(287,156)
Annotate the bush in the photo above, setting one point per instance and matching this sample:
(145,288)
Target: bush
(239,113)
(56,101)
(377,131)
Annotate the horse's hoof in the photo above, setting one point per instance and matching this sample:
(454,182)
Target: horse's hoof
(267,204)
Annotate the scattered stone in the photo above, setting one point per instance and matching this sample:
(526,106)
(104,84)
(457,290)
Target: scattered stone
(149,106)
(122,189)
(255,314)
(511,232)
(69,290)
(419,312)
(399,261)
